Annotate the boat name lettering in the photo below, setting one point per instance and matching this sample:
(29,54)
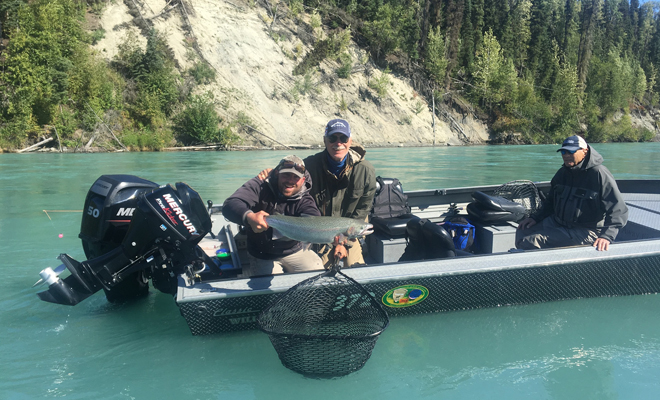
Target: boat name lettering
(355,299)
(183,217)
(233,311)
(243,320)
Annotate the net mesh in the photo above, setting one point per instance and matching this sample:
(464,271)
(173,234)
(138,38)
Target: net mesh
(522,192)
(325,326)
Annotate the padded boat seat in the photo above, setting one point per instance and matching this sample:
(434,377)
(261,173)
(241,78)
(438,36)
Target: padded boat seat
(492,209)
(427,240)
(391,227)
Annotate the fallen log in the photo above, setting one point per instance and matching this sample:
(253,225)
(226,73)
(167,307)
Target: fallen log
(36,145)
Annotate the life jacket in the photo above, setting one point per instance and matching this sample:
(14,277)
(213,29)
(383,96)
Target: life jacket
(389,200)
(390,212)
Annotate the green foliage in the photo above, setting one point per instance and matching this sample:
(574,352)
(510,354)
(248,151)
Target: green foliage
(435,61)
(615,81)
(419,107)
(202,73)
(343,105)
(494,76)
(48,66)
(393,27)
(145,139)
(97,35)
(303,86)
(198,122)
(296,7)
(565,99)
(346,66)
(333,46)
(618,131)
(381,83)
(155,78)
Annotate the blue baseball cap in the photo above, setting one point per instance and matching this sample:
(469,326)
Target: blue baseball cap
(338,126)
(573,143)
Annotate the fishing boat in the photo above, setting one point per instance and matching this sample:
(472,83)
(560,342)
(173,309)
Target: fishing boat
(126,234)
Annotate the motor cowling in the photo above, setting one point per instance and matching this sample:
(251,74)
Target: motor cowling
(108,210)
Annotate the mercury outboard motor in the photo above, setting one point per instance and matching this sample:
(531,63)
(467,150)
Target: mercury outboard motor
(161,240)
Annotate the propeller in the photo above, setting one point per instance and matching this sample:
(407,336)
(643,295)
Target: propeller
(50,275)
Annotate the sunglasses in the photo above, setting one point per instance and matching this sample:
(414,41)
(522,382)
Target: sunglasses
(289,165)
(564,152)
(341,138)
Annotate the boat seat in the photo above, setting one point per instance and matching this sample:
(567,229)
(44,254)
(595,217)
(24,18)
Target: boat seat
(427,240)
(494,209)
(391,227)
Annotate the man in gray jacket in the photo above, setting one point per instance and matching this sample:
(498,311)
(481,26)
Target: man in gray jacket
(285,191)
(584,205)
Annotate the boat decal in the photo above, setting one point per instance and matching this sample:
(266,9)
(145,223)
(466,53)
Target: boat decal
(405,296)
(223,312)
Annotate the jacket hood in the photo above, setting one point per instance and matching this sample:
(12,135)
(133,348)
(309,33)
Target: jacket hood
(356,153)
(592,159)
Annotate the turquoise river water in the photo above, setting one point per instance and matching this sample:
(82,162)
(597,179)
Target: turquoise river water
(605,348)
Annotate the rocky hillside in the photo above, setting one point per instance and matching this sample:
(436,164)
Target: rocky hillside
(254,58)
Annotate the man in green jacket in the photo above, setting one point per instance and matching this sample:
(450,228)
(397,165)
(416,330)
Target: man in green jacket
(343,185)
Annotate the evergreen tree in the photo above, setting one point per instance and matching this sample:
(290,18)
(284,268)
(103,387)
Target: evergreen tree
(569,48)
(520,33)
(590,17)
(454,21)
(435,61)
(468,47)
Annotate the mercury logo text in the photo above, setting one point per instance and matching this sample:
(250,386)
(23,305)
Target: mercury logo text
(183,217)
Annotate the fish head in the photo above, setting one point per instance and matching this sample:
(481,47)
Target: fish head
(359,230)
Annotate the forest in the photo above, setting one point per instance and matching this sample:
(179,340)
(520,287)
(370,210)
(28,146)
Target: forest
(536,70)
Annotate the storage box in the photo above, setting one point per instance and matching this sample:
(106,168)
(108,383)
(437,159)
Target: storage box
(495,238)
(383,249)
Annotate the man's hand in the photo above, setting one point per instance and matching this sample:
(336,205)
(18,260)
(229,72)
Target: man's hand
(264,174)
(526,223)
(340,251)
(602,244)
(257,221)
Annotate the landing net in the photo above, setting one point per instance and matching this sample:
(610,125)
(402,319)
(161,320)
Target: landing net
(325,326)
(522,192)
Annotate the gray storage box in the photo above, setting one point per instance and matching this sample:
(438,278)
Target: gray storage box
(495,238)
(383,249)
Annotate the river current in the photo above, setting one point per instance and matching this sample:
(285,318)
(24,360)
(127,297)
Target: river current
(605,348)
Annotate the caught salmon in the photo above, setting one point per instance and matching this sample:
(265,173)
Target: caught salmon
(318,229)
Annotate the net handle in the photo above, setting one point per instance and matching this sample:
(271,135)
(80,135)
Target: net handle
(335,267)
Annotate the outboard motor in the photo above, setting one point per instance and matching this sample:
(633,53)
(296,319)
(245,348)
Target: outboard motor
(161,239)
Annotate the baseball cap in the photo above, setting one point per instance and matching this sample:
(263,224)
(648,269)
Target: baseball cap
(338,126)
(292,164)
(573,143)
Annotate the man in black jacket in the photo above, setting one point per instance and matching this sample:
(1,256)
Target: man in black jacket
(285,191)
(584,205)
